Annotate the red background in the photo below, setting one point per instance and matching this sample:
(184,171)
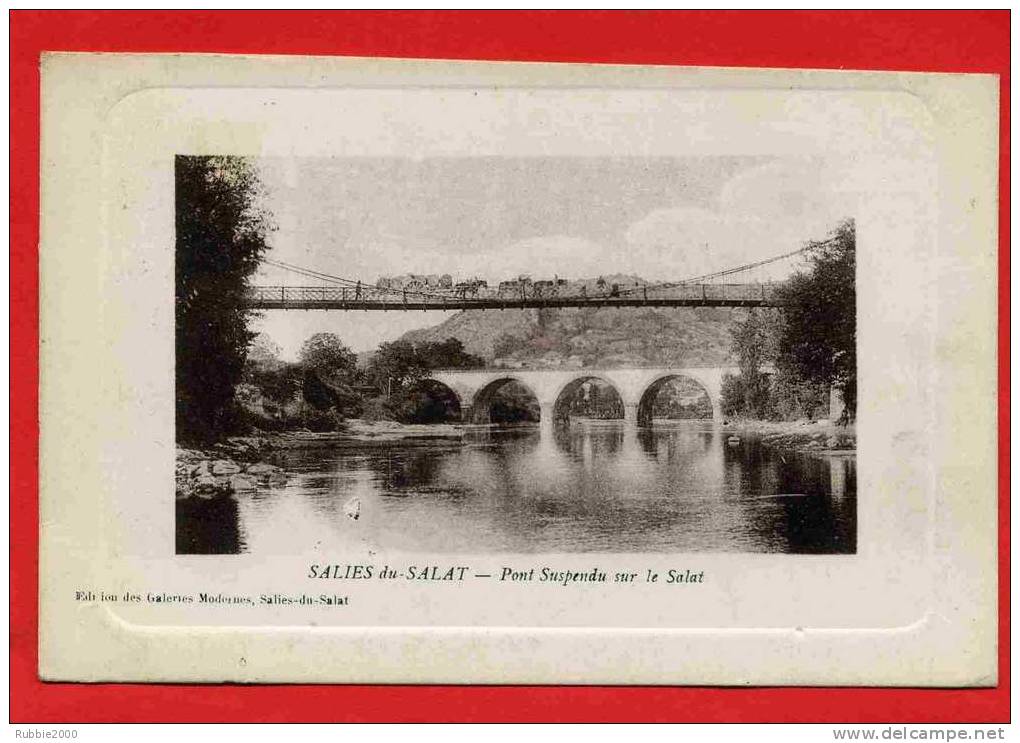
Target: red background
(950,41)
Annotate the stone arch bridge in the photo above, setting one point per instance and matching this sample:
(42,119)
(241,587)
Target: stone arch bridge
(476,388)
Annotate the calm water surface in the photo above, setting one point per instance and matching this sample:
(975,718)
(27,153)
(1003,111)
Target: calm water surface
(677,487)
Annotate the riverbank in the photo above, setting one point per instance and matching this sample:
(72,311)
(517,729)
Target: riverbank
(819,437)
(361,433)
(208,474)
(239,464)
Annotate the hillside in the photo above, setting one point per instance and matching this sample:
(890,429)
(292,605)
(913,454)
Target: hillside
(589,337)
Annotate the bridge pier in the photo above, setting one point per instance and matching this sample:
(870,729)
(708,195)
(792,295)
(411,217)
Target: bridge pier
(547,419)
(716,408)
(630,414)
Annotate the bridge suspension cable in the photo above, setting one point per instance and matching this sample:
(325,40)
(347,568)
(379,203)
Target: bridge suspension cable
(729,271)
(308,272)
(341,281)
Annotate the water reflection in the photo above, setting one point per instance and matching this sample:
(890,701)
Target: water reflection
(208,527)
(601,487)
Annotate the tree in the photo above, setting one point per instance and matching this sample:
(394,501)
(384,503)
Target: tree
(789,358)
(221,232)
(264,352)
(732,396)
(399,368)
(325,354)
(448,354)
(279,384)
(395,365)
(424,403)
(401,364)
(769,385)
(819,340)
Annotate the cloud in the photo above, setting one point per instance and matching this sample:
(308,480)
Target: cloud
(540,257)
(808,191)
(760,213)
(547,256)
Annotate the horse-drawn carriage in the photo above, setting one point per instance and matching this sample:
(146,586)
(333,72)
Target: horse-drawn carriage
(469,289)
(419,283)
(548,288)
(523,287)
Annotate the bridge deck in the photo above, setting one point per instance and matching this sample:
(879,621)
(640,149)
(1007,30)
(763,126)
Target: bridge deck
(340,298)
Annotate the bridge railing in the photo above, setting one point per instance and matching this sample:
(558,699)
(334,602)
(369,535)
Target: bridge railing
(283,295)
(729,292)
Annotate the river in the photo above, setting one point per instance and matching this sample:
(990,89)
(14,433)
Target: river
(592,487)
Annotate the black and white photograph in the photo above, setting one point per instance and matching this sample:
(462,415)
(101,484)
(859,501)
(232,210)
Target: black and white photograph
(413,372)
(514,355)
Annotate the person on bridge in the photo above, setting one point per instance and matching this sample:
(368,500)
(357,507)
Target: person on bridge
(357,290)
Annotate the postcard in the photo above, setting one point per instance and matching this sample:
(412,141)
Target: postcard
(389,371)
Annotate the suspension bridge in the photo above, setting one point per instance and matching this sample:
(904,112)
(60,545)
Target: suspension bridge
(474,388)
(441,293)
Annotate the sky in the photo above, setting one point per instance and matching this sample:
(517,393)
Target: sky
(661,218)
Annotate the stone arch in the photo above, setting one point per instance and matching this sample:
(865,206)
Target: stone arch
(482,402)
(560,409)
(443,394)
(651,391)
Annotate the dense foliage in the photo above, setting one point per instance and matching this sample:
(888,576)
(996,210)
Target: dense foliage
(220,236)
(682,398)
(398,369)
(325,354)
(514,403)
(325,385)
(594,398)
(423,403)
(400,365)
(789,358)
(755,343)
(820,337)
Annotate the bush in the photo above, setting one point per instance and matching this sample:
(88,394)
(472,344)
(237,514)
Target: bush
(375,409)
(514,410)
(732,396)
(322,421)
(781,396)
(421,406)
(793,398)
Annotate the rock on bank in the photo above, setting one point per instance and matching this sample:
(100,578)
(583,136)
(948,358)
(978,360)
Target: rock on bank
(210,474)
